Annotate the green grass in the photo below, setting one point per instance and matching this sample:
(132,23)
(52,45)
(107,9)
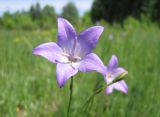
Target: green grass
(28,86)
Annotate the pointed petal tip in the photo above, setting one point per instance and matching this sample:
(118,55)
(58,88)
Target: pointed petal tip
(60,83)
(113,62)
(34,51)
(107,92)
(63,73)
(98,28)
(60,18)
(126,90)
(114,57)
(121,86)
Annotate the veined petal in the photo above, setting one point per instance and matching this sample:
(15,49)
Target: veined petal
(109,89)
(113,63)
(66,35)
(92,63)
(50,51)
(118,71)
(64,72)
(121,86)
(88,39)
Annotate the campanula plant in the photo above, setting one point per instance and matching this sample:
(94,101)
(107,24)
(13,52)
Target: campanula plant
(73,53)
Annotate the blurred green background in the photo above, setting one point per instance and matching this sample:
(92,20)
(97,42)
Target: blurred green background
(28,86)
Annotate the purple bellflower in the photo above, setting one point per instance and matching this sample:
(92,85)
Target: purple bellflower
(72,52)
(112,72)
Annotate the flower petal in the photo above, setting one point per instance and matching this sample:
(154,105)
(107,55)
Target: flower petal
(50,51)
(118,71)
(109,89)
(121,86)
(64,72)
(88,39)
(113,63)
(66,35)
(92,63)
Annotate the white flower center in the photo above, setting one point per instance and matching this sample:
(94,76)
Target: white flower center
(72,59)
(109,77)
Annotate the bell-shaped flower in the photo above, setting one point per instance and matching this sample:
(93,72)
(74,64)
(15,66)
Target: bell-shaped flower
(113,72)
(73,51)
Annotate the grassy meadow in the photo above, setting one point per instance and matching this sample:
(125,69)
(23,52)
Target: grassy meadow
(28,86)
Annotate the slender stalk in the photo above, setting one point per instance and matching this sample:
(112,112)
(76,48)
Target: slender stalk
(89,106)
(95,93)
(70,98)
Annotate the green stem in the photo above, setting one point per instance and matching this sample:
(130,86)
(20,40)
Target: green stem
(70,98)
(95,93)
(99,90)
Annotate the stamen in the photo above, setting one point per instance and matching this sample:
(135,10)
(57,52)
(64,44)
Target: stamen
(65,54)
(77,57)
